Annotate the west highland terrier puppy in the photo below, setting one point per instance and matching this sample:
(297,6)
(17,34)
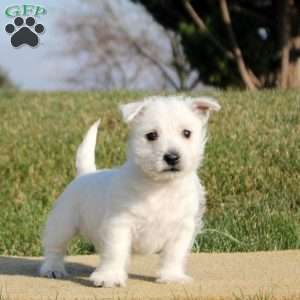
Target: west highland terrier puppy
(153,203)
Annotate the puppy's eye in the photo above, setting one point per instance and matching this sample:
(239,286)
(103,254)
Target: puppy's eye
(186,133)
(152,136)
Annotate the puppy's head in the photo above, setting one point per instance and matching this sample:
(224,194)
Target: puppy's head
(167,134)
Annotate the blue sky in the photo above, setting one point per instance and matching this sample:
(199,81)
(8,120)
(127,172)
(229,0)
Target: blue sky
(35,68)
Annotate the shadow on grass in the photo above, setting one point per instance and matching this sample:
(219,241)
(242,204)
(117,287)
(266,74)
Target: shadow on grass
(79,273)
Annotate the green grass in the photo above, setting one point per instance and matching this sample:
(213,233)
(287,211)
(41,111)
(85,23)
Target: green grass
(251,169)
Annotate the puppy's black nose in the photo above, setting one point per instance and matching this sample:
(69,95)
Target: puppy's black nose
(171,158)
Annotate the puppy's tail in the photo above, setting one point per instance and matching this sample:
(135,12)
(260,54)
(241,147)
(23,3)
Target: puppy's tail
(85,156)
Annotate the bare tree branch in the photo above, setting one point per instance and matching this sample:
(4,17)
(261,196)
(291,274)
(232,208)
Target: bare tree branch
(119,56)
(258,83)
(202,27)
(156,63)
(235,47)
(141,50)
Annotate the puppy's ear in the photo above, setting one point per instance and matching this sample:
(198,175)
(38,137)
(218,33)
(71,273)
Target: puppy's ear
(204,105)
(131,110)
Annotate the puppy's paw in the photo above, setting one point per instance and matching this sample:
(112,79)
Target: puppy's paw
(55,274)
(166,277)
(53,271)
(109,278)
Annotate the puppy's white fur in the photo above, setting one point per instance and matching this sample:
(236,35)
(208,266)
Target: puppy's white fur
(143,206)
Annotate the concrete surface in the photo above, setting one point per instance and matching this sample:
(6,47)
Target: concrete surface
(216,276)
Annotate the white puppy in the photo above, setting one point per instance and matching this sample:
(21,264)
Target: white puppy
(153,203)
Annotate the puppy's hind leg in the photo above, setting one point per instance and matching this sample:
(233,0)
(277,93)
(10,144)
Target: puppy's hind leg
(59,230)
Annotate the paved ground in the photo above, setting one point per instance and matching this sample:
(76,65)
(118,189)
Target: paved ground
(274,274)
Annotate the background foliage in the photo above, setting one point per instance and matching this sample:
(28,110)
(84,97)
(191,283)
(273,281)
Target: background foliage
(266,32)
(4,80)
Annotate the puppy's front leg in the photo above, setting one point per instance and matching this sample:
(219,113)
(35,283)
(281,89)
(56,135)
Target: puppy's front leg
(112,270)
(174,255)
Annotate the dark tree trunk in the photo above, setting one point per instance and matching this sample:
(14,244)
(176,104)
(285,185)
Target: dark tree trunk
(244,73)
(284,38)
(293,80)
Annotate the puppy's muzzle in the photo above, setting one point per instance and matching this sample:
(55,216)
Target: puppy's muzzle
(172,158)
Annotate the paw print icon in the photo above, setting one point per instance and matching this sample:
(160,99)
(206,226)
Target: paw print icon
(24,32)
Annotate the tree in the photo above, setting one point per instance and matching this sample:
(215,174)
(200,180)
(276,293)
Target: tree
(253,43)
(4,79)
(112,53)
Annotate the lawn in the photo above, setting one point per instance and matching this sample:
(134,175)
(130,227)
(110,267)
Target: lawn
(251,168)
